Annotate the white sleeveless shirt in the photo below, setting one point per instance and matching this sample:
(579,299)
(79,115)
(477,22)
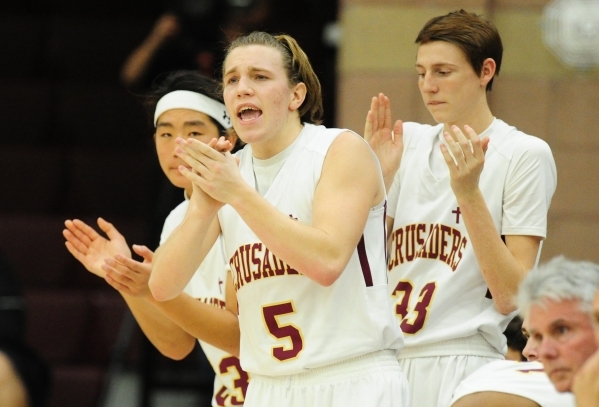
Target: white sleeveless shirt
(289,323)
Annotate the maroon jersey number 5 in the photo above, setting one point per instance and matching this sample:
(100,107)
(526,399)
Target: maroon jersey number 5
(288,332)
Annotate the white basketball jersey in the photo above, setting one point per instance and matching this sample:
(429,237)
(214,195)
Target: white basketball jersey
(208,286)
(289,323)
(524,379)
(436,285)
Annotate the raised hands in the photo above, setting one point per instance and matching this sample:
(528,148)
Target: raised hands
(90,248)
(465,159)
(130,276)
(387,143)
(109,258)
(215,172)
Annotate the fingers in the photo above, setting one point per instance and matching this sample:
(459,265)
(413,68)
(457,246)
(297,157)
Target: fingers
(128,266)
(197,149)
(223,145)
(378,117)
(81,231)
(381,110)
(144,252)
(74,250)
(109,229)
(485,144)
(127,275)
(369,125)
(397,131)
(75,243)
(466,146)
(449,160)
(387,118)
(82,257)
(116,285)
(197,154)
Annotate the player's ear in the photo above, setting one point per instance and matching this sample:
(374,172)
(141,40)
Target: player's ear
(299,94)
(487,71)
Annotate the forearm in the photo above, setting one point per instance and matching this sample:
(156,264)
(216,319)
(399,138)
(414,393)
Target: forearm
(137,63)
(169,338)
(306,248)
(177,259)
(500,269)
(216,326)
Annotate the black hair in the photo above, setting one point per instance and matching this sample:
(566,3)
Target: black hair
(189,80)
(515,338)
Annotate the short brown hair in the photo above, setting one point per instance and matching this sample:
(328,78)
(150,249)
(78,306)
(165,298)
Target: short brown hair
(476,36)
(297,66)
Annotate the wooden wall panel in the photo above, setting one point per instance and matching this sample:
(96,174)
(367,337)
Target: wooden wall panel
(574,117)
(576,238)
(357,89)
(577,183)
(522,102)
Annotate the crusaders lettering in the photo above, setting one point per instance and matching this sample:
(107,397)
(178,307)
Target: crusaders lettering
(213,301)
(252,262)
(427,241)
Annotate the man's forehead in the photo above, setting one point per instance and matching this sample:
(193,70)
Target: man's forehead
(550,312)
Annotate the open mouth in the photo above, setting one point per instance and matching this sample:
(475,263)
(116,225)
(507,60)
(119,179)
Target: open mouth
(247,113)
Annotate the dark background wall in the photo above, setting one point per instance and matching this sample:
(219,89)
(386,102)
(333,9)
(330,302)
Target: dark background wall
(75,142)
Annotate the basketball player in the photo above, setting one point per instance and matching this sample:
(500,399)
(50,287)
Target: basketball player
(304,234)
(507,383)
(461,238)
(186,105)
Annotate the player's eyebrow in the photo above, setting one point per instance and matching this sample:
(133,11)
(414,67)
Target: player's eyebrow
(437,65)
(195,123)
(249,69)
(187,123)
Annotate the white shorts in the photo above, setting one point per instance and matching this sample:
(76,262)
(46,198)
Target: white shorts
(372,380)
(433,379)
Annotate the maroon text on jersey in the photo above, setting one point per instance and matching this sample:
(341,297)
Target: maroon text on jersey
(427,241)
(252,262)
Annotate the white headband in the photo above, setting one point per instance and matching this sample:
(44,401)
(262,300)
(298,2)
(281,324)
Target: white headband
(184,99)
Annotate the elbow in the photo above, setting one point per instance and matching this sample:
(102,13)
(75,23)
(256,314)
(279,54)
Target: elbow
(159,291)
(505,307)
(327,275)
(326,281)
(233,350)
(506,310)
(177,351)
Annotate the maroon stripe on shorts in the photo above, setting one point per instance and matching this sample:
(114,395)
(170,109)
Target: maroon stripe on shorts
(364,262)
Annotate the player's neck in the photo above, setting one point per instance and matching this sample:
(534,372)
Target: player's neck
(479,121)
(279,142)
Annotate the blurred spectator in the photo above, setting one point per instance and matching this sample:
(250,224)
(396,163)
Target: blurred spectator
(24,376)
(190,35)
(516,341)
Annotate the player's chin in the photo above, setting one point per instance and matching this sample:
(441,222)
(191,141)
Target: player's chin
(177,179)
(438,116)
(562,380)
